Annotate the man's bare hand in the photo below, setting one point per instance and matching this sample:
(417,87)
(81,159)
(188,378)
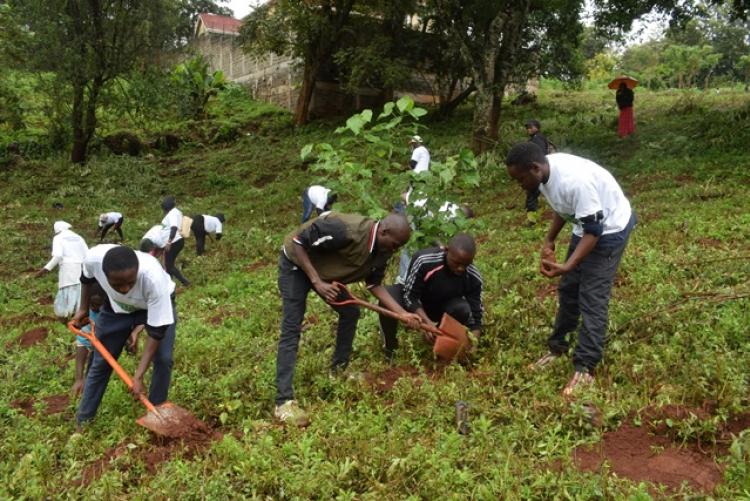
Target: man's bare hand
(327,291)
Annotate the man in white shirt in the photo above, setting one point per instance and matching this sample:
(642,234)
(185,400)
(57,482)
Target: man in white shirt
(68,252)
(155,240)
(110,220)
(586,195)
(203,225)
(319,198)
(420,156)
(139,292)
(175,243)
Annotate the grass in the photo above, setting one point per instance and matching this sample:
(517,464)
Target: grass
(678,323)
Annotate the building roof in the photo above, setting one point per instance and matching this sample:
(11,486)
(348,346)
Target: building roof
(212,23)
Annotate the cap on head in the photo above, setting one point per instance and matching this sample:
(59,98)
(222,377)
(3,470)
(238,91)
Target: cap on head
(118,259)
(61,226)
(168,203)
(416,140)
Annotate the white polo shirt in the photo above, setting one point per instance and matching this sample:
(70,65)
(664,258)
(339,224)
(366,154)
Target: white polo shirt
(152,290)
(69,250)
(318,195)
(109,218)
(578,188)
(422,157)
(159,235)
(173,218)
(212,224)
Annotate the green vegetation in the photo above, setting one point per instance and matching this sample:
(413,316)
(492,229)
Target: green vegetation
(678,320)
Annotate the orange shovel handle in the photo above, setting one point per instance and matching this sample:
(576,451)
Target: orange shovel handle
(379,309)
(110,360)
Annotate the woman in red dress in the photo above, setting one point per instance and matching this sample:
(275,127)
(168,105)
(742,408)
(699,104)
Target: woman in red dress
(625,98)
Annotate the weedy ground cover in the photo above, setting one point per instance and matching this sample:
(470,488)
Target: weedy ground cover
(678,328)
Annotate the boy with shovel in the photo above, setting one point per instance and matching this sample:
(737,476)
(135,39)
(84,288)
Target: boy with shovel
(139,292)
(334,247)
(588,196)
(440,280)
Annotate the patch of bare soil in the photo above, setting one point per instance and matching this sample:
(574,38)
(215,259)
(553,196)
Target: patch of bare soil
(25,405)
(197,437)
(45,300)
(547,290)
(255,266)
(712,243)
(653,454)
(384,381)
(56,404)
(32,337)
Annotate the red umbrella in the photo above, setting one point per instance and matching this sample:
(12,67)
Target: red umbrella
(629,81)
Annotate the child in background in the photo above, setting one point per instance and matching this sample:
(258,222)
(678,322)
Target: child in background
(84,349)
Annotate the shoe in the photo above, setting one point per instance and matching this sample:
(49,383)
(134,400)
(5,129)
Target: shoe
(290,413)
(579,380)
(544,361)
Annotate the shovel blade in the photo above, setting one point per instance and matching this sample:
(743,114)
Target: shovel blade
(454,343)
(171,421)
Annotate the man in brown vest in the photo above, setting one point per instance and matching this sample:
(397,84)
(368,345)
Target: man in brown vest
(334,247)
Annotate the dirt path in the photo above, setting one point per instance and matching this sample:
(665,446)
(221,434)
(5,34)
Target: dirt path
(32,337)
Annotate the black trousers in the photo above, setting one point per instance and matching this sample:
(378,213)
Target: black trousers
(456,307)
(294,287)
(117,226)
(169,261)
(584,294)
(199,230)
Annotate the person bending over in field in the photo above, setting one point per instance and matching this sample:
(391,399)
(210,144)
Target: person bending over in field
(334,247)
(203,225)
(110,221)
(319,198)
(440,280)
(68,252)
(586,195)
(139,291)
(175,242)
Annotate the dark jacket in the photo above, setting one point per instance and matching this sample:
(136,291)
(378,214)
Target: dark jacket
(341,247)
(540,140)
(430,284)
(625,98)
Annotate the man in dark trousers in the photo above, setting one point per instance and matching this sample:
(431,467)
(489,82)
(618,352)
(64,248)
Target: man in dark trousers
(440,280)
(203,225)
(588,196)
(139,292)
(334,247)
(533,128)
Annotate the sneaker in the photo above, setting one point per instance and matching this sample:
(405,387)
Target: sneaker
(544,361)
(290,413)
(579,380)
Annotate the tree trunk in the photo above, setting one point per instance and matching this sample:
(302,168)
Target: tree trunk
(302,109)
(78,153)
(449,106)
(497,101)
(480,140)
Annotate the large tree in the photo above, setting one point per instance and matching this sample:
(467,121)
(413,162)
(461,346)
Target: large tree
(86,44)
(309,30)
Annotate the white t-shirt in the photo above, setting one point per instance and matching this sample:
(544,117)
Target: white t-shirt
(173,218)
(159,235)
(211,224)
(69,250)
(152,290)
(422,157)
(578,187)
(318,195)
(109,218)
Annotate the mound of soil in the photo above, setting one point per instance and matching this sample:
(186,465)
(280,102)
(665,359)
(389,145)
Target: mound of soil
(197,436)
(56,404)
(32,337)
(45,300)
